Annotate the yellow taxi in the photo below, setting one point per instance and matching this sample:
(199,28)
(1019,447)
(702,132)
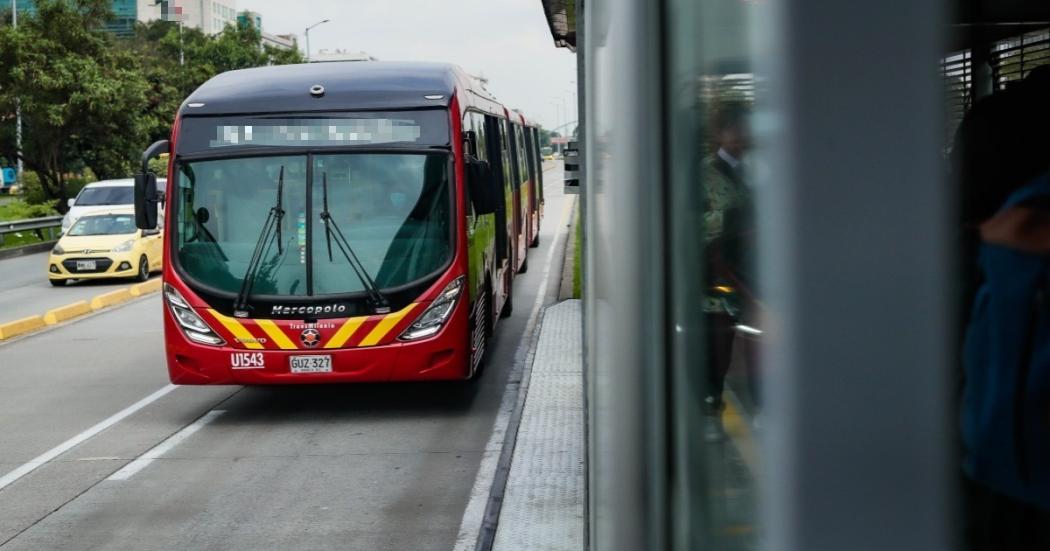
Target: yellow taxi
(106,245)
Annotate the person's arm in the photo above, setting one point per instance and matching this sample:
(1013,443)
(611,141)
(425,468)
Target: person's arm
(1024,227)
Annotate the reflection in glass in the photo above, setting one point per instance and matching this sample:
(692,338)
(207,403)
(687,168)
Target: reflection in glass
(395,211)
(716,300)
(222,206)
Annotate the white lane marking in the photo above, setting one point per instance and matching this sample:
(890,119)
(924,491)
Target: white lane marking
(62,448)
(164,447)
(474,514)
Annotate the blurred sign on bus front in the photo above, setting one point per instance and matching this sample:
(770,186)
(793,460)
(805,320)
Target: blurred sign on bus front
(572,167)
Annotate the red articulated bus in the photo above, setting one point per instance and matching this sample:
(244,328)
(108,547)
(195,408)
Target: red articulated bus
(341,222)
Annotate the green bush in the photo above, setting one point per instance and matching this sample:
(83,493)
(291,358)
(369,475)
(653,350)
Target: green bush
(34,193)
(31,190)
(20,210)
(159,166)
(77,183)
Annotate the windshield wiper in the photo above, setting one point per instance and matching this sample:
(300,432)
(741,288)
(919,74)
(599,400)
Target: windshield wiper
(379,302)
(273,221)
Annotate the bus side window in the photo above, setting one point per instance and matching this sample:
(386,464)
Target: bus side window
(519,142)
(507,154)
(476,123)
(530,152)
(501,170)
(539,163)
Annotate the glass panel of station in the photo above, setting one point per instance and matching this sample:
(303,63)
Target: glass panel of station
(715,301)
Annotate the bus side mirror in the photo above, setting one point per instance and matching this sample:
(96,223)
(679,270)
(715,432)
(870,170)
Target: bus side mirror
(146,199)
(482,190)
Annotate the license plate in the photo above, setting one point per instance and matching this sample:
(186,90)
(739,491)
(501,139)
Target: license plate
(85,265)
(311,364)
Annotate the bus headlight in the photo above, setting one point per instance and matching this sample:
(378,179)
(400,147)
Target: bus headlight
(434,317)
(191,324)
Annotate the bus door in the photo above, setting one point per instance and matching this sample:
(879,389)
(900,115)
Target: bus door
(520,203)
(532,150)
(498,153)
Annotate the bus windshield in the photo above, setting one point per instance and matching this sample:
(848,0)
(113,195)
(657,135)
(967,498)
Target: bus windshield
(395,210)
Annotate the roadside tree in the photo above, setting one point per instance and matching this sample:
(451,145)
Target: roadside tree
(81,98)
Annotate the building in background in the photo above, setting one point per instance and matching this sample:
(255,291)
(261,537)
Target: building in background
(250,17)
(281,41)
(325,56)
(210,16)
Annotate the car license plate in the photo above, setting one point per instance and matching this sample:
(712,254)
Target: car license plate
(311,364)
(85,265)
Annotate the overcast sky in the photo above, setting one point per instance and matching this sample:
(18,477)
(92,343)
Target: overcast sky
(506,41)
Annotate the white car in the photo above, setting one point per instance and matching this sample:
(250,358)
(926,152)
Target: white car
(103,196)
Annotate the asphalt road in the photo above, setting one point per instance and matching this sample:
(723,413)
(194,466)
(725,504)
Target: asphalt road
(24,290)
(368,467)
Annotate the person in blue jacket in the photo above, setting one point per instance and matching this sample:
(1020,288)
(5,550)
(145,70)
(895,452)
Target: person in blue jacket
(1002,155)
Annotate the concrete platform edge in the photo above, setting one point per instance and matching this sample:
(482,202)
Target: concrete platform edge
(544,501)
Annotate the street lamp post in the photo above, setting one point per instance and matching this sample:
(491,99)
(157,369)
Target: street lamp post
(18,106)
(575,103)
(307,33)
(557,121)
(565,114)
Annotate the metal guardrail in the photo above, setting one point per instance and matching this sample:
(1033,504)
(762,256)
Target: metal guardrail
(49,223)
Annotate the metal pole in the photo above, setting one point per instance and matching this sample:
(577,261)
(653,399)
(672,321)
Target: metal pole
(565,115)
(557,125)
(307,33)
(182,57)
(18,107)
(575,104)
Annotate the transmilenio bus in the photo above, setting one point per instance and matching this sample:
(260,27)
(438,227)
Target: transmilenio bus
(338,222)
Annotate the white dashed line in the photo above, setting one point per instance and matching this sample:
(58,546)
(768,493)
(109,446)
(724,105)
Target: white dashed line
(164,447)
(62,448)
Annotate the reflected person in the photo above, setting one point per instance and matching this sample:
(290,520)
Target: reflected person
(727,222)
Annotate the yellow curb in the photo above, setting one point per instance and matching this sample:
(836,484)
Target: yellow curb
(151,286)
(67,312)
(21,327)
(111,298)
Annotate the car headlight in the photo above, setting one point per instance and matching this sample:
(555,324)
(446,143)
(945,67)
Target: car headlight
(58,249)
(192,325)
(125,246)
(435,316)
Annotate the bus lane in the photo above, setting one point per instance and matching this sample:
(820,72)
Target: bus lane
(24,290)
(370,466)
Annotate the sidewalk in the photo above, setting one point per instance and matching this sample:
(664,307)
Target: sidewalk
(543,505)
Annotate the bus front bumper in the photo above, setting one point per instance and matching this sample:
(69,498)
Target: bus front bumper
(441,357)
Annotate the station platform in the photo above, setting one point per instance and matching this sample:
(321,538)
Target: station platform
(543,503)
